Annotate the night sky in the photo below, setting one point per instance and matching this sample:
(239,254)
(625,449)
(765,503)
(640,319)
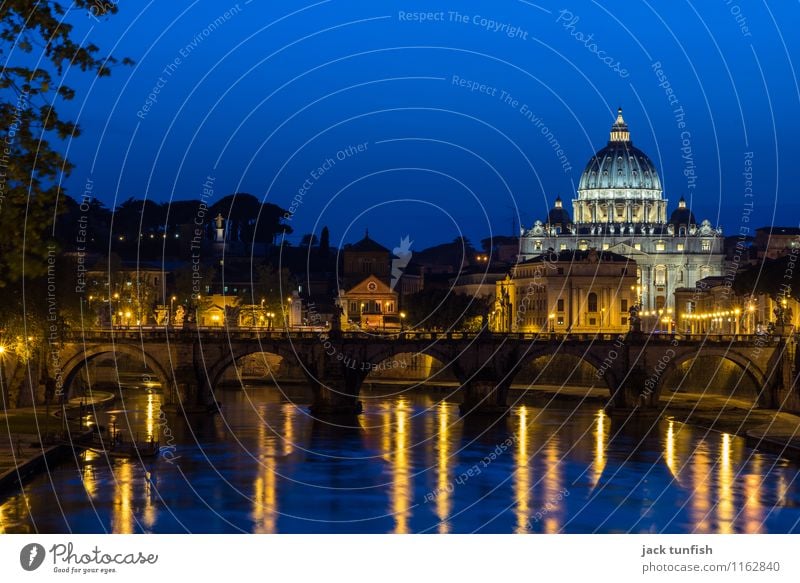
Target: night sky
(276,97)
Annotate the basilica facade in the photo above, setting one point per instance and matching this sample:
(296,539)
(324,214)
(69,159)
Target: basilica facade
(620,208)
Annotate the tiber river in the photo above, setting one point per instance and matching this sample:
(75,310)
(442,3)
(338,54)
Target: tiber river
(413,465)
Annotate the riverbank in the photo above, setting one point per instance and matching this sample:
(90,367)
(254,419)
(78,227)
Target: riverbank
(22,453)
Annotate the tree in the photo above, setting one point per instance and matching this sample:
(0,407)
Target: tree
(31,166)
(274,287)
(439,309)
(308,240)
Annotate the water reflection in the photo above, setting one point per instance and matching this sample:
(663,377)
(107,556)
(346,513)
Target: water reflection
(401,486)
(265,466)
(443,458)
(522,476)
(725,503)
(600,441)
(265,500)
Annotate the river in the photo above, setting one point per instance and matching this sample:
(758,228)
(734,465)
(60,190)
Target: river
(412,465)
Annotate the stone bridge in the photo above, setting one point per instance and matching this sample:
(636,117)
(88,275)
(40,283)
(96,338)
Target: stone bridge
(190,363)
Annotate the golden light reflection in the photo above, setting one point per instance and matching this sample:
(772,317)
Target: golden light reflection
(265,500)
(443,501)
(599,447)
(552,486)
(701,491)
(122,520)
(401,490)
(522,477)
(725,505)
(87,475)
(670,458)
(289,416)
(753,510)
(150,421)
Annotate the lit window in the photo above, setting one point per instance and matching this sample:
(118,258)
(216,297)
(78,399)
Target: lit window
(680,246)
(661,246)
(537,245)
(661,275)
(637,246)
(563,246)
(584,246)
(606,246)
(705,245)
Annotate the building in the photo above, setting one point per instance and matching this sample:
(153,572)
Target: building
(568,291)
(370,305)
(775,242)
(712,307)
(367,257)
(620,208)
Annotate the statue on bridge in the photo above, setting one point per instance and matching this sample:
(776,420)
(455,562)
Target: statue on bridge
(635,321)
(180,314)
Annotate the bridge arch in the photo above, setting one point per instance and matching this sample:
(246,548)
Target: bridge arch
(748,368)
(216,372)
(601,360)
(73,365)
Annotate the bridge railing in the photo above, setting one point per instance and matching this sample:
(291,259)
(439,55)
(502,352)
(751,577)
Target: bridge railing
(242,333)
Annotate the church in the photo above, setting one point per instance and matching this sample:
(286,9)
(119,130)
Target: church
(620,208)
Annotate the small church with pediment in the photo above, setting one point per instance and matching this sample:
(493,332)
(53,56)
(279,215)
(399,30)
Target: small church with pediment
(370,305)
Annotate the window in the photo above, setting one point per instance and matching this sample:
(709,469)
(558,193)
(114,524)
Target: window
(637,246)
(560,305)
(624,320)
(660,302)
(661,246)
(584,246)
(537,245)
(353,307)
(560,320)
(563,246)
(389,307)
(606,246)
(680,246)
(705,245)
(623,305)
(592,322)
(592,302)
(661,275)
(680,276)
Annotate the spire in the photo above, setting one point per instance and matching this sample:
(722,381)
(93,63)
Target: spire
(682,203)
(558,202)
(619,131)
(366,233)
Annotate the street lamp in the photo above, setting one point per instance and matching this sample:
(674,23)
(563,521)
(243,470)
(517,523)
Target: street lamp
(402,320)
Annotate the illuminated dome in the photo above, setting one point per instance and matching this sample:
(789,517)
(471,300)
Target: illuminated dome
(620,170)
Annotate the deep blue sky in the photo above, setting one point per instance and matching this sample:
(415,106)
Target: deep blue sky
(280,87)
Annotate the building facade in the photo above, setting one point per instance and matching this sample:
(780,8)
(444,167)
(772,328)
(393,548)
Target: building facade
(570,291)
(370,305)
(620,208)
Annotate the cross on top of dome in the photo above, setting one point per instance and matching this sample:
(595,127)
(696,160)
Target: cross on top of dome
(619,131)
